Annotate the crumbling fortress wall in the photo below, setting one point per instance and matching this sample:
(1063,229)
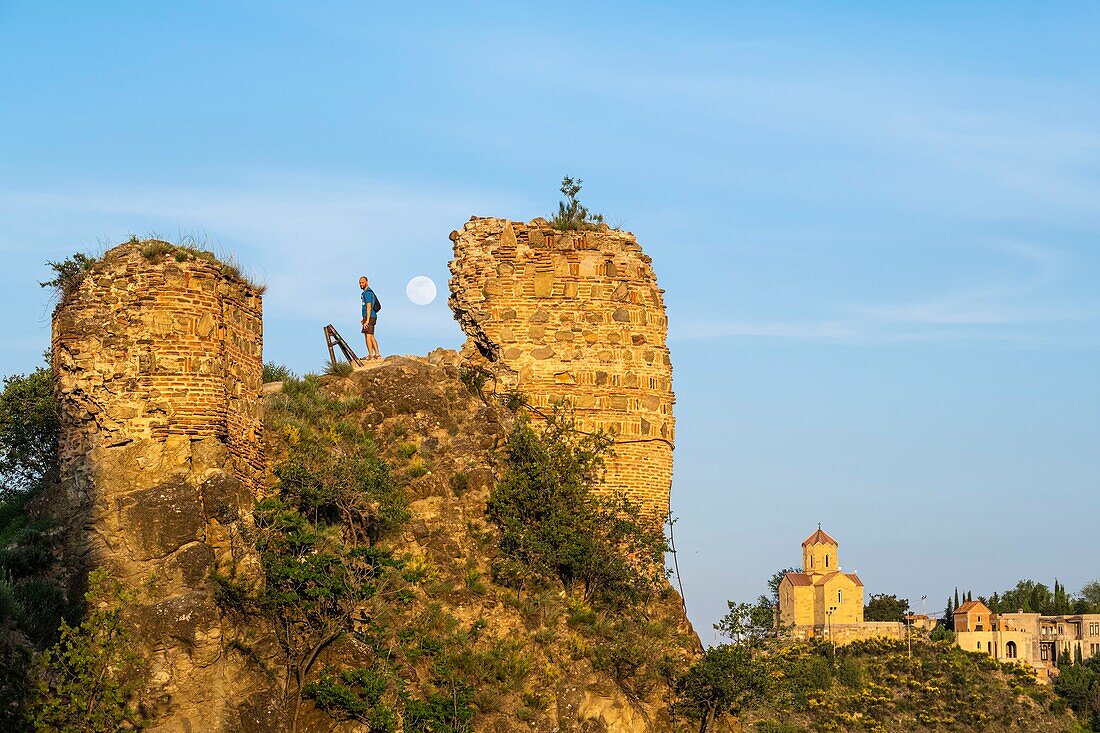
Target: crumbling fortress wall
(157,357)
(575,317)
(152,347)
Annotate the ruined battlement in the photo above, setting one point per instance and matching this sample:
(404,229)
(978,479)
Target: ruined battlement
(154,344)
(575,318)
(157,359)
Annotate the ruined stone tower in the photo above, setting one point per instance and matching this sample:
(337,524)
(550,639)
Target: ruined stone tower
(575,317)
(157,358)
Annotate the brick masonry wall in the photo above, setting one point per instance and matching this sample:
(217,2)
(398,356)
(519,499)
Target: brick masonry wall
(146,350)
(575,318)
(157,369)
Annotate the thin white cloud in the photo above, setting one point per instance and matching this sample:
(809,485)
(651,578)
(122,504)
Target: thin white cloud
(998,309)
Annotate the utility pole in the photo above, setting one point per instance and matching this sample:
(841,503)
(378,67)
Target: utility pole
(829,619)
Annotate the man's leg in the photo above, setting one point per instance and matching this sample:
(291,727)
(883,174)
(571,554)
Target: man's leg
(372,345)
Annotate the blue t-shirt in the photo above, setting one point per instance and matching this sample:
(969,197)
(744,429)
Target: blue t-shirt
(369,300)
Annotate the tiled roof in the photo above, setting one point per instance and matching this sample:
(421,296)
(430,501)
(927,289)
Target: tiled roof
(970,605)
(820,537)
(855,579)
(799,579)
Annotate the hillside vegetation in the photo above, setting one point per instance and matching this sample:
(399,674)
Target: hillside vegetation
(438,562)
(874,686)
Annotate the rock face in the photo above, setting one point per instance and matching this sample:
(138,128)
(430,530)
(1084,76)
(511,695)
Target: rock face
(575,318)
(456,434)
(157,358)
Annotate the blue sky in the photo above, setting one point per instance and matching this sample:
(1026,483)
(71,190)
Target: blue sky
(876,224)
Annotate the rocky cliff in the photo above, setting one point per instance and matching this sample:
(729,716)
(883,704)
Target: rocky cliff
(520,661)
(267,592)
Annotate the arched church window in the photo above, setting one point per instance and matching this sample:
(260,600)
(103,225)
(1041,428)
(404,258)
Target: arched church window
(826,561)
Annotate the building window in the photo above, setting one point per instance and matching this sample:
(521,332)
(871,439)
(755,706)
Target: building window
(839,596)
(1010,650)
(826,561)
(1043,651)
(979,647)
(1061,630)
(1094,629)
(811,561)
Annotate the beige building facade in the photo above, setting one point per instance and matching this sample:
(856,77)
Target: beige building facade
(1029,638)
(823,601)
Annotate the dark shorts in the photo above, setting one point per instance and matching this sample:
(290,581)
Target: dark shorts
(368,327)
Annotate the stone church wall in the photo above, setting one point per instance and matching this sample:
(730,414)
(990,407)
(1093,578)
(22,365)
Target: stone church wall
(575,318)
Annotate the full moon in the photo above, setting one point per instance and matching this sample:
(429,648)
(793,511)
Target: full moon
(421,290)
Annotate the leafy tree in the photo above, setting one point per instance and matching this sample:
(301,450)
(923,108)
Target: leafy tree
(1029,597)
(1079,686)
(555,528)
(1060,603)
(317,535)
(883,607)
(728,680)
(354,694)
(747,623)
(28,431)
(572,214)
(1090,593)
(776,579)
(91,680)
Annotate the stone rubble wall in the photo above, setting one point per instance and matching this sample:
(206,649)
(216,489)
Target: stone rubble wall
(575,318)
(146,351)
(157,367)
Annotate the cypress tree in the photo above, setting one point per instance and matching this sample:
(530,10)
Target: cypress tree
(956,596)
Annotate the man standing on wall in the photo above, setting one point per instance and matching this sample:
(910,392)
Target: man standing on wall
(371,306)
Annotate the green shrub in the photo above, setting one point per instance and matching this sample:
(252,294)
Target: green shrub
(460,483)
(572,214)
(354,694)
(849,673)
(448,712)
(276,372)
(775,726)
(727,679)
(555,528)
(68,274)
(512,399)
(92,679)
(474,378)
(339,368)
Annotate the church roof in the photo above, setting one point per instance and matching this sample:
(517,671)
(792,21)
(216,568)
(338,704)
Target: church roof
(820,537)
(799,579)
(855,579)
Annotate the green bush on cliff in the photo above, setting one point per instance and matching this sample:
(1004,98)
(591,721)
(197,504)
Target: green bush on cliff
(555,529)
(317,537)
(354,694)
(91,680)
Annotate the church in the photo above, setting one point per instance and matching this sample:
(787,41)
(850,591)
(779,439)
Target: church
(822,599)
